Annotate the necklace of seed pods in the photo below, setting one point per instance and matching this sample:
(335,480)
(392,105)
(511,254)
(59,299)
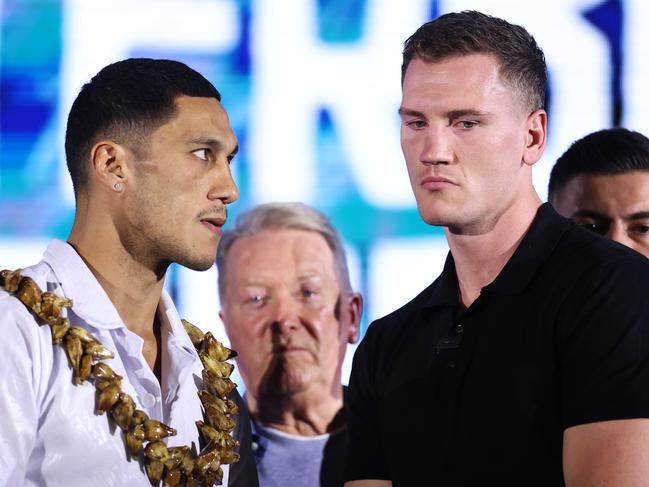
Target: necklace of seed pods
(174,466)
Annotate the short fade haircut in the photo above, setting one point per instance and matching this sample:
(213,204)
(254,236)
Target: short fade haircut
(522,63)
(125,102)
(282,216)
(603,153)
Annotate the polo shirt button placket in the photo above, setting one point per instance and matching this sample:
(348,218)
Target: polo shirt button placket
(458,329)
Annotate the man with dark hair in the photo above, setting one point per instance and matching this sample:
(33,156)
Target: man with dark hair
(526,362)
(602,183)
(102,383)
(290,312)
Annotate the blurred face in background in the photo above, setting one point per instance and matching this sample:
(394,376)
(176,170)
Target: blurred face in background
(616,206)
(286,314)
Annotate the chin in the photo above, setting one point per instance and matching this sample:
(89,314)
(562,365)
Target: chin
(196,263)
(284,381)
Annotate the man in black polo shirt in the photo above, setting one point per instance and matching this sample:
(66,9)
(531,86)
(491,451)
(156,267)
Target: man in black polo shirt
(526,363)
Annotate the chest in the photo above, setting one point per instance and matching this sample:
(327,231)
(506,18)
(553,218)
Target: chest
(81,447)
(479,384)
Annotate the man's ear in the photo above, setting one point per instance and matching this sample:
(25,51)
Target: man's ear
(355,304)
(109,169)
(535,137)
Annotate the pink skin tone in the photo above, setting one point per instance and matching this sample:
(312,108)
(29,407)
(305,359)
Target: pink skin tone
(290,322)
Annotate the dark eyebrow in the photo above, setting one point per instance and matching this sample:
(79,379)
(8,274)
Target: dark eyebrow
(467,112)
(640,215)
(410,112)
(213,143)
(451,115)
(591,214)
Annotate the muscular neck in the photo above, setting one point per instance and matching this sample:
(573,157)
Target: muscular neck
(133,287)
(308,413)
(480,258)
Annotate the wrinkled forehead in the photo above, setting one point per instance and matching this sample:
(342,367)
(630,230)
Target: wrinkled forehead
(280,252)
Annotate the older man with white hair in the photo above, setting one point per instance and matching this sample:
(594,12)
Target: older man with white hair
(289,310)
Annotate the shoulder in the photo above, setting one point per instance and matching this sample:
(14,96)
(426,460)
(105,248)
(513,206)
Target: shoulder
(26,342)
(583,250)
(588,261)
(396,322)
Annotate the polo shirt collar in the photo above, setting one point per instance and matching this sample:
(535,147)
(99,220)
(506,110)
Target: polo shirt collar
(90,301)
(445,291)
(535,248)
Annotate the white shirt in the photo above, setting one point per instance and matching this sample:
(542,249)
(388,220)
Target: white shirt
(49,433)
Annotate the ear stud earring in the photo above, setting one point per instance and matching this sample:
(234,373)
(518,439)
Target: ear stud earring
(118,186)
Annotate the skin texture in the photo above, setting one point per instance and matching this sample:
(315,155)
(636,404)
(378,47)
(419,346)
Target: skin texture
(286,315)
(616,206)
(158,214)
(469,144)
(461,125)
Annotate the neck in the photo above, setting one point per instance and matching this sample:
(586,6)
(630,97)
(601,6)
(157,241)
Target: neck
(133,288)
(480,258)
(306,413)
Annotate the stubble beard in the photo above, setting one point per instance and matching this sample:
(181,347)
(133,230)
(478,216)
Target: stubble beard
(156,247)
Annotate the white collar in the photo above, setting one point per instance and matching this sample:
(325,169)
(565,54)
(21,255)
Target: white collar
(90,301)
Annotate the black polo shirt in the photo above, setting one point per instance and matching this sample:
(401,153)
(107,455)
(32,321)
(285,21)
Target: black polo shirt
(445,396)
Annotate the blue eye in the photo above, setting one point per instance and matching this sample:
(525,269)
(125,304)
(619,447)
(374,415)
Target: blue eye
(468,124)
(256,300)
(416,124)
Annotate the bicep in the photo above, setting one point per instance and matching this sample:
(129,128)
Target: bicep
(368,483)
(607,453)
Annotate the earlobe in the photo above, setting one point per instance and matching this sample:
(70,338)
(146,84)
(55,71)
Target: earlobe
(108,165)
(535,137)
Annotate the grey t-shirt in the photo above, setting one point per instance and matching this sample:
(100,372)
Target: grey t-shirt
(285,460)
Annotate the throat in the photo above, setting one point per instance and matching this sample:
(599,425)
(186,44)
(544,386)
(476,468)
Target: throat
(152,348)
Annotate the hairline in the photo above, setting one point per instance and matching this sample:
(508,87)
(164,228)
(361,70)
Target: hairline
(309,223)
(524,99)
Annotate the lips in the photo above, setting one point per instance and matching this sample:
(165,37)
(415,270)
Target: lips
(213,224)
(289,348)
(435,183)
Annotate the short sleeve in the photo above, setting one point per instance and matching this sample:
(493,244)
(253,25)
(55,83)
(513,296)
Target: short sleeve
(18,403)
(365,454)
(603,345)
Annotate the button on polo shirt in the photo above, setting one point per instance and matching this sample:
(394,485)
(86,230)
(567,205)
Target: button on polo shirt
(443,395)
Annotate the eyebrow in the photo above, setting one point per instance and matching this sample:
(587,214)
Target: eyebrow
(213,143)
(590,214)
(639,215)
(452,114)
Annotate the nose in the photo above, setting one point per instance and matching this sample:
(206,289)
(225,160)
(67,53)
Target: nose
(436,148)
(223,186)
(285,314)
